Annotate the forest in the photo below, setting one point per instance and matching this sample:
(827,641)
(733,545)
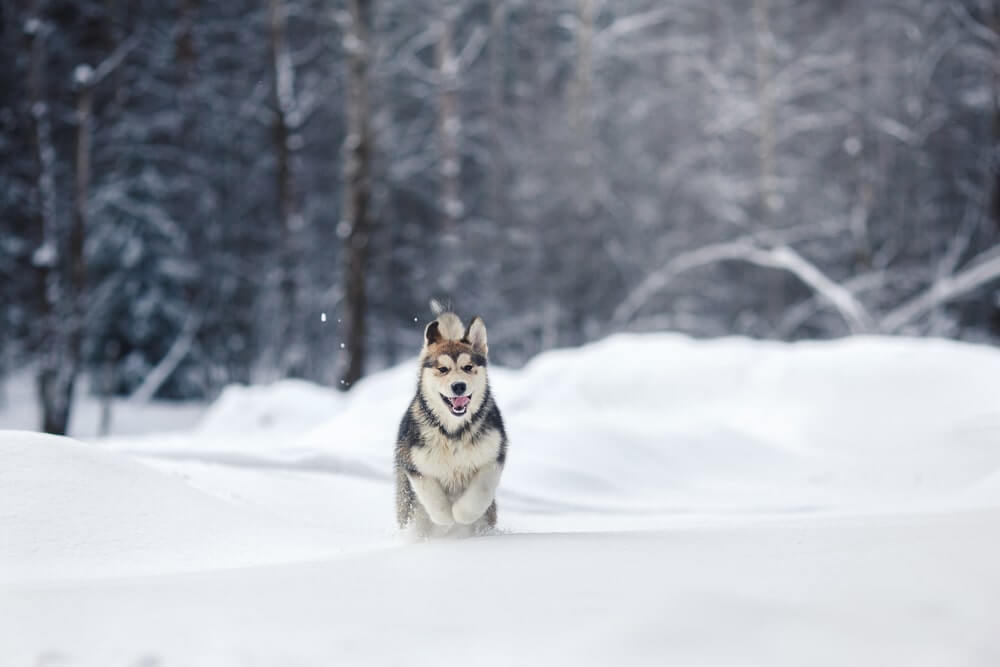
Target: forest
(196,193)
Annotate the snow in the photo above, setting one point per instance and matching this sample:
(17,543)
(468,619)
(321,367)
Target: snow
(19,411)
(666,500)
(82,74)
(45,255)
(73,511)
(283,407)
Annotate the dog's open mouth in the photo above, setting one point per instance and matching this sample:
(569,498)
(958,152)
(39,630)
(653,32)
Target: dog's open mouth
(457,404)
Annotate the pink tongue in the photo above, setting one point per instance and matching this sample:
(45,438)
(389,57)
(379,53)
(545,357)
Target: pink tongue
(460,401)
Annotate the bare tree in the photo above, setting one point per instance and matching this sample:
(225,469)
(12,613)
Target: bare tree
(980,272)
(57,367)
(781,257)
(355,224)
(498,25)
(777,168)
(995,176)
(769,198)
(582,104)
(292,344)
(449,121)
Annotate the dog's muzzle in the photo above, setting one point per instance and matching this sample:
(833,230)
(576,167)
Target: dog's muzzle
(457,404)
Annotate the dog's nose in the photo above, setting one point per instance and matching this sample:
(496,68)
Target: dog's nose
(458,388)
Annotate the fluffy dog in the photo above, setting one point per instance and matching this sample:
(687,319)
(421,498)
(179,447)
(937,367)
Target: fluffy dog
(451,446)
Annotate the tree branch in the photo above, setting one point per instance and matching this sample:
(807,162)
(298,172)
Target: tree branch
(943,290)
(169,363)
(779,257)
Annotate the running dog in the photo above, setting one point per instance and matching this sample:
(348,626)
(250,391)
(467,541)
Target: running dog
(451,446)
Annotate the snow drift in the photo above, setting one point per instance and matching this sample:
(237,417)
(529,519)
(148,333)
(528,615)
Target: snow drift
(663,422)
(821,503)
(70,510)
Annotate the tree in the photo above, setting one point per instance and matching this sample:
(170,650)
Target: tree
(780,168)
(58,354)
(355,225)
(289,218)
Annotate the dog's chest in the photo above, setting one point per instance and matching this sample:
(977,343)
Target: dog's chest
(454,462)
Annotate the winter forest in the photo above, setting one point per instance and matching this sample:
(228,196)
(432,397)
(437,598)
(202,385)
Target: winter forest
(738,262)
(198,193)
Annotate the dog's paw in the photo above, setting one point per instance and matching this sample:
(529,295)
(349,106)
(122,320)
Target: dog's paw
(465,513)
(442,516)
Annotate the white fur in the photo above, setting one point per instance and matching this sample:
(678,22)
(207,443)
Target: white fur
(433,498)
(478,495)
(477,336)
(450,327)
(454,462)
(458,477)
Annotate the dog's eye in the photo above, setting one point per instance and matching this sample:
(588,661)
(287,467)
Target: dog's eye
(467,369)
(442,369)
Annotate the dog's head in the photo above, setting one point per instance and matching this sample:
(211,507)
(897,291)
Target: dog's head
(453,368)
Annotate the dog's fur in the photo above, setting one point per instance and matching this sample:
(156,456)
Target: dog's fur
(449,456)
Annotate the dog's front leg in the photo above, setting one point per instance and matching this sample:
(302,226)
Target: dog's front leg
(476,498)
(432,497)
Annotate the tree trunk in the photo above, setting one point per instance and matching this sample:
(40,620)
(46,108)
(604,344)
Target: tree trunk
(187,199)
(498,23)
(78,265)
(108,382)
(77,284)
(355,224)
(291,343)
(585,285)
(768,202)
(450,125)
(995,173)
(582,116)
(857,147)
(57,370)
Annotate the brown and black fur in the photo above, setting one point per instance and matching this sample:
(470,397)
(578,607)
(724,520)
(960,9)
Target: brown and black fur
(409,437)
(457,447)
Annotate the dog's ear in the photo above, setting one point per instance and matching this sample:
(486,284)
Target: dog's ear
(475,335)
(432,334)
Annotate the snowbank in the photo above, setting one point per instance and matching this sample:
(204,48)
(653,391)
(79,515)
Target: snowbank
(868,592)
(70,510)
(665,501)
(633,426)
(667,423)
(288,405)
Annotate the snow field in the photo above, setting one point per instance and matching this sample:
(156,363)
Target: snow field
(666,500)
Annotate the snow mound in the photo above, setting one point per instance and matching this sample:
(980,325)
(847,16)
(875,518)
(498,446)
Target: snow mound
(281,407)
(919,591)
(818,503)
(667,423)
(68,509)
(630,428)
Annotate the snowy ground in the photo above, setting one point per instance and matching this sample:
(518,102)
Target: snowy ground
(665,502)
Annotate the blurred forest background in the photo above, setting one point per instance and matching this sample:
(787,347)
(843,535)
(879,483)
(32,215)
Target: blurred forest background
(186,187)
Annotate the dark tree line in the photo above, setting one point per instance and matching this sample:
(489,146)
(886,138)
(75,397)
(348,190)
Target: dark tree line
(195,193)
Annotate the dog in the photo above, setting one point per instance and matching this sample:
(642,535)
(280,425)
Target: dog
(452,445)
